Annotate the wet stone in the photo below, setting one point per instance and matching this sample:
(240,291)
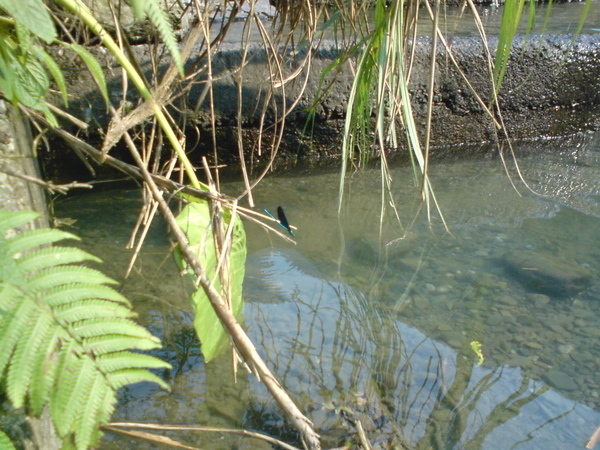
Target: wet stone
(539,300)
(546,273)
(566,349)
(508,300)
(561,381)
(525,362)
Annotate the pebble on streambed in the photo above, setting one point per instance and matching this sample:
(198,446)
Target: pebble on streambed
(548,274)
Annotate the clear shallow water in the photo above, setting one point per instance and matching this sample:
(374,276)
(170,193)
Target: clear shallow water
(561,18)
(357,329)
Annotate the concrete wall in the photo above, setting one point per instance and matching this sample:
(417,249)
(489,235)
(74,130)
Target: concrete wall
(16,156)
(547,91)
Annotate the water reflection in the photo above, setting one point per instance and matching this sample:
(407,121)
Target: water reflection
(341,356)
(361,331)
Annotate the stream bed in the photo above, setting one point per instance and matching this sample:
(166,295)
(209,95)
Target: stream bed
(374,319)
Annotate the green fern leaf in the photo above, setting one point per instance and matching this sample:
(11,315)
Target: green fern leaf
(113,362)
(73,292)
(90,309)
(5,442)
(58,321)
(54,70)
(33,15)
(25,355)
(8,298)
(74,381)
(35,238)
(13,219)
(116,342)
(99,327)
(86,422)
(11,330)
(57,276)
(160,20)
(53,256)
(131,376)
(93,66)
(44,370)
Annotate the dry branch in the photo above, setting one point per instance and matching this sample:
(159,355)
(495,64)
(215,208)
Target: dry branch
(239,337)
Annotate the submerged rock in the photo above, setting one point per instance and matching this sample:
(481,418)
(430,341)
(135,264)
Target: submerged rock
(546,273)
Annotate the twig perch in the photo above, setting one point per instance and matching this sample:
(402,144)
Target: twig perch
(239,337)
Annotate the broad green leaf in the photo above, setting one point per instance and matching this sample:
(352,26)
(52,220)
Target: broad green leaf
(7,79)
(61,327)
(194,220)
(93,66)
(5,442)
(513,9)
(33,15)
(32,82)
(160,20)
(54,70)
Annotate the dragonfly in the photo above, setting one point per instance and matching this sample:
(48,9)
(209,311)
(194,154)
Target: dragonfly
(282,220)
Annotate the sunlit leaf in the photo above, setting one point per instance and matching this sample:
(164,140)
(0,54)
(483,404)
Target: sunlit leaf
(194,220)
(5,442)
(32,14)
(93,66)
(54,70)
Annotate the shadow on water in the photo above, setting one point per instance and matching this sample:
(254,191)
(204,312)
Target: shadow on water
(361,331)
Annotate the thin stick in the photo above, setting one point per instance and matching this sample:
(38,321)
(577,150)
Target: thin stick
(58,188)
(594,438)
(155,426)
(150,437)
(228,320)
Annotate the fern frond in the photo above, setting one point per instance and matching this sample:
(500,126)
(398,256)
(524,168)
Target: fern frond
(13,324)
(73,292)
(99,327)
(74,381)
(113,362)
(35,238)
(131,376)
(59,275)
(85,424)
(90,309)
(24,357)
(65,335)
(44,370)
(115,342)
(5,442)
(13,219)
(160,20)
(54,256)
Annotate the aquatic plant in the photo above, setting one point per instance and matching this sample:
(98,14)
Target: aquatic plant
(65,335)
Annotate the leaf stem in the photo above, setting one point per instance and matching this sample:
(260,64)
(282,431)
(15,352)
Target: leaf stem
(82,11)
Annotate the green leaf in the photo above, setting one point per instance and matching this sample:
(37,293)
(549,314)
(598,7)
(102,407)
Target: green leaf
(33,15)
(138,8)
(60,275)
(194,220)
(131,376)
(112,362)
(7,78)
(511,17)
(5,442)
(73,292)
(160,20)
(54,69)
(93,66)
(116,342)
(32,82)
(58,322)
(35,238)
(54,256)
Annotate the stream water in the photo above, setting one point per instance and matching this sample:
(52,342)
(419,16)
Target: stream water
(371,319)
